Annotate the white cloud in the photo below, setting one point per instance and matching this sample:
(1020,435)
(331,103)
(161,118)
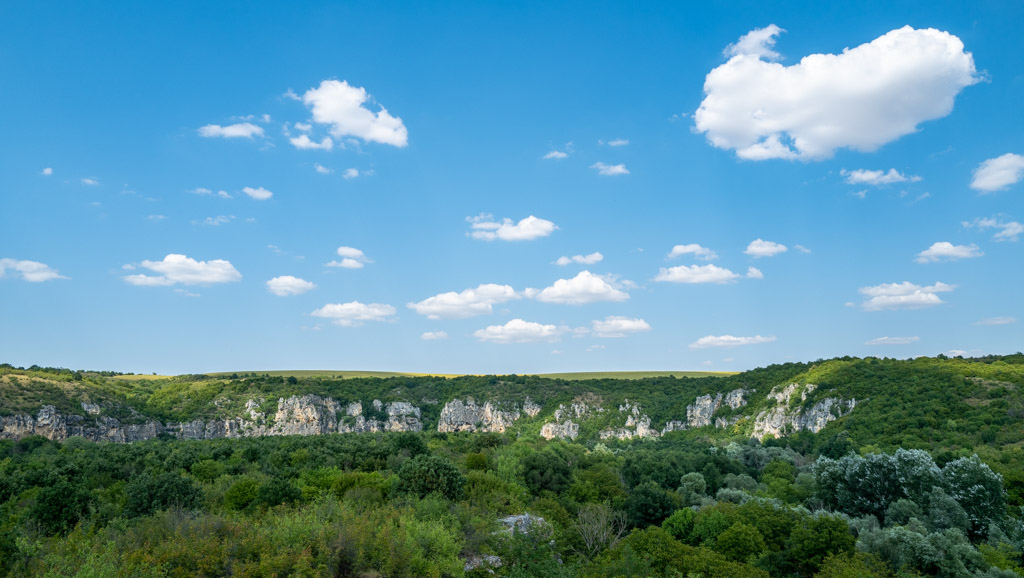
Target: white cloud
(434,336)
(696,274)
(240,130)
(943,250)
(322,169)
(801,248)
(583,288)
(619,142)
(877,178)
(206,191)
(759,42)
(303,142)
(258,193)
(555,155)
(287,285)
(90,181)
(340,105)
(46,172)
(1009,230)
(468,303)
(729,341)
(354,313)
(595,347)
(352,258)
(694,249)
(304,127)
(484,227)
(156,217)
(754,273)
(861,99)
(998,173)
(590,259)
(350,174)
(760,248)
(175,269)
(31,271)
(997,321)
(616,326)
(904,295)
(519,331)
(217,221)
(892,340)
(610,170)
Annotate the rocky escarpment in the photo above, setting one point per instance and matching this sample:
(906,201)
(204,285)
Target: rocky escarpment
(490,417)
(789,417)
(296,415)
(563,427)
(637,425)
(702,411)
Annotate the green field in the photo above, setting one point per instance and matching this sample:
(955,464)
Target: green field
(571,376)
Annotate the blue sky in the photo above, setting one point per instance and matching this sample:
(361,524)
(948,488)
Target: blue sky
(245,186)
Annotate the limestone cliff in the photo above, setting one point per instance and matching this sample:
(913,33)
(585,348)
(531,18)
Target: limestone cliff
(789,416)
(470,416)
(296,415)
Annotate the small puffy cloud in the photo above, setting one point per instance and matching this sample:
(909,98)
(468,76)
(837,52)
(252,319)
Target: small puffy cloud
(802,249)
(468,303)
(696,274)
(240,130)
(303,142)
(583,288)
(351,258)
(519,331)
(618,142)
(206,191)
(758,42)
(610,170)
(997,321)
(174,269)
(754,273)
(46,172)
(433,336)
(258,193)
(287,285)
(590,259)
(616,326)
(354,313)
(31,271)
(877,178)
(945,251)
(322,169)
(485,228)
(1008,230)
(860,99)
(729,341)
(555,154)
(304,127)
(694,249)
(892,340)
(904,295)
(90,181)
(342,107)
(998,173)
(216,221)
(760,248)
(350,174)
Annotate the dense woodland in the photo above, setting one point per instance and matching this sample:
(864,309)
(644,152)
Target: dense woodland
(925,477)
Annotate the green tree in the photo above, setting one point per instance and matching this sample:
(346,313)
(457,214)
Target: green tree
(740,542)
(59,507)
(426,474)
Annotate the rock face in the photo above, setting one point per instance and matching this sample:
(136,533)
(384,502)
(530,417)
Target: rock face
(637,425)
(296,415)
(470,416)
(700,413)
(789,416)
(578,410)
